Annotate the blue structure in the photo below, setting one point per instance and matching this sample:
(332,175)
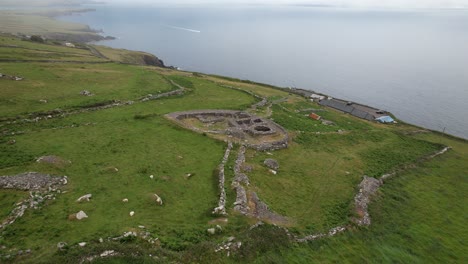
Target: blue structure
(385,119)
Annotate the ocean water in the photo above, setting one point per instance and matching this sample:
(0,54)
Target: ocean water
(413,63)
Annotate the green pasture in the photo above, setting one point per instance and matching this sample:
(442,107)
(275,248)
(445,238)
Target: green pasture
(417,217)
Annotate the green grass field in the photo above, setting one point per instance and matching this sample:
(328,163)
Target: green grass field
(418,217)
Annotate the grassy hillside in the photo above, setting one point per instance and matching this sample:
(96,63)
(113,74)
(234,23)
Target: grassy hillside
(115,141)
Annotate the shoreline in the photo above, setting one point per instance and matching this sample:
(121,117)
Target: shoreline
(94,40)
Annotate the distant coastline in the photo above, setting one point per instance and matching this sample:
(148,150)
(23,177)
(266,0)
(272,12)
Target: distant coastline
(413,112)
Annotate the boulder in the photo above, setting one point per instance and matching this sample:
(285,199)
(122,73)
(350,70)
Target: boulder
(62,246)
(81,215)
(158,199)
(272,164)
(85,197)
(86,93)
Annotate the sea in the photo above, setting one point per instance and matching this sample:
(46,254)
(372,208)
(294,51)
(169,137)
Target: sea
(413,63)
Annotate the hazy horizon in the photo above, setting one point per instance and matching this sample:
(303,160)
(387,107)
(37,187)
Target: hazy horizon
(392,4)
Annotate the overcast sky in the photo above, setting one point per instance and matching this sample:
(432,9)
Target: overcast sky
(342,3)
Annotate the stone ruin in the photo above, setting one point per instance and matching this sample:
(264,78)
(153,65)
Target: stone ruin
(41,187)
(253,131)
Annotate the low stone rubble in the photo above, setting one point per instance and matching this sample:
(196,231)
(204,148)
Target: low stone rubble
(367,188)
(221,209)
(179,91)
(31,181)
(229,245)
(42,187)
(240,204)
(272,164)
(332,232)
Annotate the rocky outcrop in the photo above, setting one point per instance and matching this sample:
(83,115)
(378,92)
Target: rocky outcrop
(152,60)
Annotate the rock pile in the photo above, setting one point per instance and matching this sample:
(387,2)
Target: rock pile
(31,181)
(272,164)
(228,246)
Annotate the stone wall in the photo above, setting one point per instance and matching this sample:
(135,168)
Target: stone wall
(221,209)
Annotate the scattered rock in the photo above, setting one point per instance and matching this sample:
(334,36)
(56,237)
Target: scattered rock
(273,172)
(211,231)
(11,142)
(44,101)
(151,176)
(132,213)
(86,93)
(189,175)
(82,244)
(81,215)
(62,246)
(158,199)
(107,253)
(272,164)
(101,240)
(125,200)
(85,197)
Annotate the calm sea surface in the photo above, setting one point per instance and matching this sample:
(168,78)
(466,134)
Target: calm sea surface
(412,63)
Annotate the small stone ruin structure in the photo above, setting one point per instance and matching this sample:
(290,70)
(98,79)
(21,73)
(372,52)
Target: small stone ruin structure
(253,131)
